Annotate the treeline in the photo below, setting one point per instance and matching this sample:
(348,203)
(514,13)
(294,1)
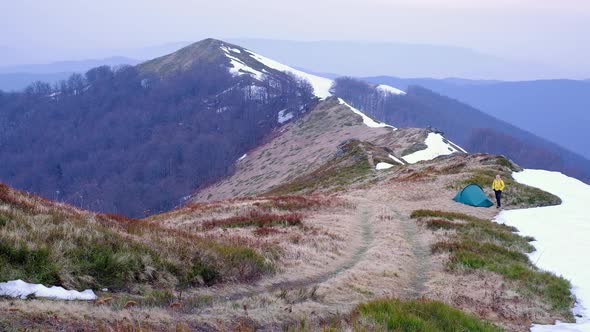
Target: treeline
(121,140)
(463,124)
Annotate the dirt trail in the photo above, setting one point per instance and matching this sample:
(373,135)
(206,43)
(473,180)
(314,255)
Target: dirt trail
(418,246)
(421,251)
(363,217)
(384,254)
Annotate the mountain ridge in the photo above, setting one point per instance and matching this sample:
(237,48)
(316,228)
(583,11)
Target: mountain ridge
(152,133)
(315,206)
(535,106)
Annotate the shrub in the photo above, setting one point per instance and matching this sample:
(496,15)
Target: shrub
(4,219)
(266,231)
(257,219)
(18,261)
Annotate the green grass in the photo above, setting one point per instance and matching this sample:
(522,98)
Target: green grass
(476,229)
(443,214)
(349,167)
(515,194)
(480,244)
(19,261)
(502,161)
(417,315)
(54,245)
(4,219)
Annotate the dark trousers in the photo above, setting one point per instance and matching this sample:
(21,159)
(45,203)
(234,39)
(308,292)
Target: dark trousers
(498,197)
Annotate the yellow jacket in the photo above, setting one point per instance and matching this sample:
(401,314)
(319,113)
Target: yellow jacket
(498,185)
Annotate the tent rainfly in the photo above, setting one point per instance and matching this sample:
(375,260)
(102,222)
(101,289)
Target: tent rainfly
(473,195)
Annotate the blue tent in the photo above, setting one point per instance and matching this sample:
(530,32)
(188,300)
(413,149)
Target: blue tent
(473,195)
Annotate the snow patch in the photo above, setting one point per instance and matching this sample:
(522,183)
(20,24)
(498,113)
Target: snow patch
(367,120)
(396,159)
(238,67)
(19,288)
(562,236)
(321,85)
(389,89)
(284,117)
(383,165)
(436,146)
(460,148)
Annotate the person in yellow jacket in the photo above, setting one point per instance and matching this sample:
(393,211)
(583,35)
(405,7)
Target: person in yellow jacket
(498,186)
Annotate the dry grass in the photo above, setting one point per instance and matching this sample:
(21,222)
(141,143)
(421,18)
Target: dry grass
(481,244)
(349,166)
(43,243)
(294,202)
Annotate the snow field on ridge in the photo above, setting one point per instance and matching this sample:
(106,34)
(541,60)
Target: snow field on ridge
(562,235)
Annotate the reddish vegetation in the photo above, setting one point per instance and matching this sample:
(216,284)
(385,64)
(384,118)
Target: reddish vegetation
(30,202)
(292,202)
(201,207)
(256,219)
(266,231)
(415,176)
(110,217)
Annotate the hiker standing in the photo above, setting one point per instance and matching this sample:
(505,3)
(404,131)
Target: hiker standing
(498,186)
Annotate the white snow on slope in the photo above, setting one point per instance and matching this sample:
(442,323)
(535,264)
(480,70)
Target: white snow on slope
(284,117)
(389,89)
(436,147)
(239,67)
(367,120)
(396,159)
(562,236)
(383,165)
(321,85)
(19,288)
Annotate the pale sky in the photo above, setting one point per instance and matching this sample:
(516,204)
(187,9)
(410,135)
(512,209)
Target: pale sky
(555,32)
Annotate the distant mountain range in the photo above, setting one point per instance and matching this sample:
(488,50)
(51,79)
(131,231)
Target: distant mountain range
(17,77)
(359,58)
(138,139)
(475,130)
(558,110)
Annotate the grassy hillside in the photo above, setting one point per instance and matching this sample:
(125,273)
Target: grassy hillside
(53,244)
(135,140)
(475,243)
